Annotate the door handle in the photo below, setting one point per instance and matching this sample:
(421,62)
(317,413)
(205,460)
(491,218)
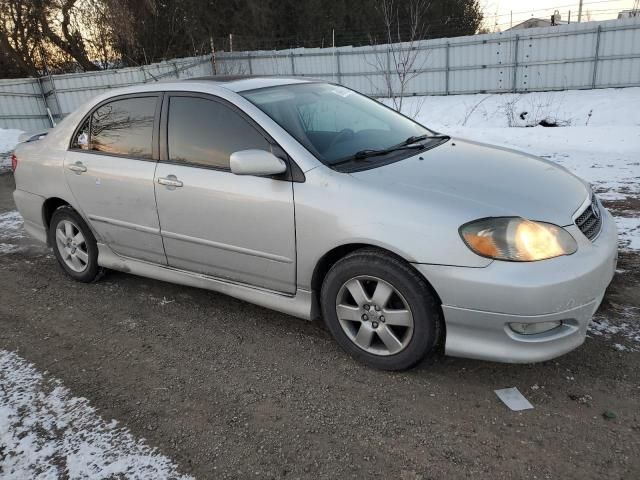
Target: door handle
(170,181)
(77,167)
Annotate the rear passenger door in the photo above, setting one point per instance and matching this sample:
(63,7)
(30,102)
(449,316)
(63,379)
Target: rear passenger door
(110,169)
(239,228)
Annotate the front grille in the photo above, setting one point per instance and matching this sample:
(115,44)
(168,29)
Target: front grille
(590,221)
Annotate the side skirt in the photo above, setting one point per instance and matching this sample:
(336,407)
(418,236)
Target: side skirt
(298,305)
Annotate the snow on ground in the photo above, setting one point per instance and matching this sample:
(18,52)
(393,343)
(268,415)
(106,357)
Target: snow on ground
(597,138)
(576,108)
(626,326)
(46,433)
(8,140)
(11,225)
(629,231)
(11,230)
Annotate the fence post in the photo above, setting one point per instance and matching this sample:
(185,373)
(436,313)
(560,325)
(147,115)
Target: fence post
(46,112)
(293,64)
(338,70)
(388,61)
(55,96)
(446,72)
(250,66)
(515,64)
(596,55)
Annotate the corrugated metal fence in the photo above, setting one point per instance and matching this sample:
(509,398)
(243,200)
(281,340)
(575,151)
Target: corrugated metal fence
(576,56)
(34,103)
(581,55)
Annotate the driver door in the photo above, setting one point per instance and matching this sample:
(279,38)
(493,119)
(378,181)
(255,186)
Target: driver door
(239,228)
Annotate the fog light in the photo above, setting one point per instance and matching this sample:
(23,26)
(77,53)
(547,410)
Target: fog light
(534,328)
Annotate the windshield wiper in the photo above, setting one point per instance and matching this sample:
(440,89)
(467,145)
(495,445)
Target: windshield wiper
(410,143)
(415,139)
(362,154)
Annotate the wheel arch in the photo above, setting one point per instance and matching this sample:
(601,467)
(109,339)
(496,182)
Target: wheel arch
(49,206)
(325,263)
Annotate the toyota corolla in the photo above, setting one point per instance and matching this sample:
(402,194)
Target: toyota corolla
(311,199)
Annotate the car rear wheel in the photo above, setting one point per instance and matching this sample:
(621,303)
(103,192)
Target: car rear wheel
(74,245)
(380,310)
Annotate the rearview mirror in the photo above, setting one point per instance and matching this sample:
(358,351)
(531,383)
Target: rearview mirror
(256,162)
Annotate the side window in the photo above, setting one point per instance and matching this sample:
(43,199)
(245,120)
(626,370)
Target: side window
(206,132)
(81,140)
(124,127)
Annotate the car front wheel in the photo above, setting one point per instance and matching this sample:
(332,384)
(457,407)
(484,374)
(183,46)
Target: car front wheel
(380,310)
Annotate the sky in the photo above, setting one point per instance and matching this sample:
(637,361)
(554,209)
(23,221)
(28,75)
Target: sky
(524,9)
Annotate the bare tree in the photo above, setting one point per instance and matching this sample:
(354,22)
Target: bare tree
(400,60)
(33,29)
(105,24)
(68,39)
(19,35)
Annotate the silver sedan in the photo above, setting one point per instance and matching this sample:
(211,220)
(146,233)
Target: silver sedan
(311,199)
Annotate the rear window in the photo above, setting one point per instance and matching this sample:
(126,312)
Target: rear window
(122,127)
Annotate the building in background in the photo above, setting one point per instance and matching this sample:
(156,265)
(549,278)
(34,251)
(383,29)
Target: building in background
(629,13)
(556,19)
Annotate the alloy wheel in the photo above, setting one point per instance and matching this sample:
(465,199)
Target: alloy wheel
(72,246)
(374,315)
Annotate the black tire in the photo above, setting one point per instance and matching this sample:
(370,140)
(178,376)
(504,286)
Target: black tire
(422,302)
(92,271)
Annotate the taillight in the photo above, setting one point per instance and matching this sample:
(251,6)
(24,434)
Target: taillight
(14,162)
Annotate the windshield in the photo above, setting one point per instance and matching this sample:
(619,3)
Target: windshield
(333,122)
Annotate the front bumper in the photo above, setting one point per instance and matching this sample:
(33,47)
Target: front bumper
(479,303)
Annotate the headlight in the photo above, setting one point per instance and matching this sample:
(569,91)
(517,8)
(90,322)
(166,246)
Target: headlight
(517,239)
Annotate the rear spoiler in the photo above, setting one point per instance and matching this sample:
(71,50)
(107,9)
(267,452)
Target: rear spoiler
(32,137)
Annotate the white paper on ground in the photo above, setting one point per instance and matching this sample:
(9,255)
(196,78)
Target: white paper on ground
(513,399)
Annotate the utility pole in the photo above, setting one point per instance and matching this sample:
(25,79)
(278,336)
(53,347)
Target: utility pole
(511,25)
(580,12)
(231,42)
(569,18)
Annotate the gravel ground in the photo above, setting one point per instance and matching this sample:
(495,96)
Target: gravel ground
(230,390)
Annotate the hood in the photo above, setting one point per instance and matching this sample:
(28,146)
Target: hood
(483,181)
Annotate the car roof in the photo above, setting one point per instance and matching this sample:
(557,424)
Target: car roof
(209,84)
(239,83)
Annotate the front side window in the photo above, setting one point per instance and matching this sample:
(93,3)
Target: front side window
(205,132)
(333,122)
(123,127)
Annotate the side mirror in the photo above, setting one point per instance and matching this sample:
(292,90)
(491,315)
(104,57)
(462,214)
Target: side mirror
(259,163)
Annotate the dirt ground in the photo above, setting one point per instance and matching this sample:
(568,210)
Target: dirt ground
(231,390)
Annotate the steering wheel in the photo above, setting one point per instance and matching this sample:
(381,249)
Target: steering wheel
(342,135)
